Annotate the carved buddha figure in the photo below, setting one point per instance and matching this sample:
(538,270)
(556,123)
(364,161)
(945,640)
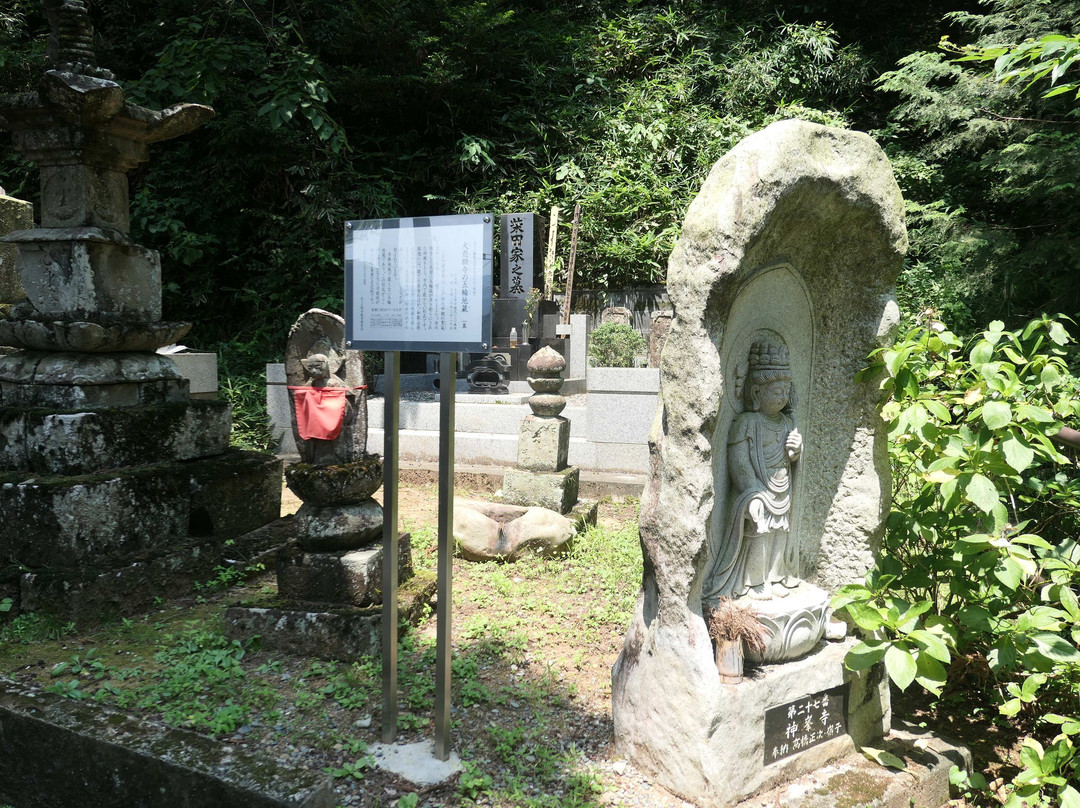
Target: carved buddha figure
(758,556)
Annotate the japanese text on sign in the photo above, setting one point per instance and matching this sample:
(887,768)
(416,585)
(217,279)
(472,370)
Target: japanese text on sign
(419,284)
(798,725)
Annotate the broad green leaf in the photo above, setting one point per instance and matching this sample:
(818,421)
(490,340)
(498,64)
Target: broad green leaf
(1029,412)
(973,396)
(1011,707)
(981,493)
(1050,376)
(865,654)
(1009,573)
(982,353)
(932,645)
(1058,333)
(1070,797)
(996,414)
(941,476)
(1055,647)
(884,758)
(865,617)
(939,410)
(930,674)
(901,666)
(1017,454)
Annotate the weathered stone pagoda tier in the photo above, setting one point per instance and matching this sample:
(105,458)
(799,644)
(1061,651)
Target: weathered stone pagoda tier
(115,487)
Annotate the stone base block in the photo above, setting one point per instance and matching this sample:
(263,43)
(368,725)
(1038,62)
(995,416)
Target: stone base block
(133,514)
(312,630)
(543,443)
(716,744)
(338,527)
(353,576)
(554,490)
(70,443)
(233,494)
(52,748)
(855,780)
(86,271)
(78,380)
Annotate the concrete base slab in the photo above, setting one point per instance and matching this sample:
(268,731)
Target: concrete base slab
(54,750)
(415,762)
(855,780)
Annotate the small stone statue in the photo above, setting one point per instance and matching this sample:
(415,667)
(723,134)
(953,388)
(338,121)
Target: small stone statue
(329,412)
(758,557)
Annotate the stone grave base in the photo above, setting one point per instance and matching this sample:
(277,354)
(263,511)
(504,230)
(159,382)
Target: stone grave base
(722,743)
(855,780)
(554,490)
(327,632)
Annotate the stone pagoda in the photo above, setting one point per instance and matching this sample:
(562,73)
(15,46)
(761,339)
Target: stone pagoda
(115,487)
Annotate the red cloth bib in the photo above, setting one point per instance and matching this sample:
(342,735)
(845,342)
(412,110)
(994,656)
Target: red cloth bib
(320,411)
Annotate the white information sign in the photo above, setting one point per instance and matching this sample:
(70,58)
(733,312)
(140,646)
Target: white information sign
(419,284)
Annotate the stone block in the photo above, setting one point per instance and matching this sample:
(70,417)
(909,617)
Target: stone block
(201,371)
(71,443)
(234,493)
(554,490)
(113,517)
(15,214)
(353,577)
(85,272)
(338,527)
(89,337)
(731,764)
(81,195)
(52,748)
(489,531)
(92,595)
(543,443)
(661,324)
(99,519)
(77,380)
(278,408)
(344,633)
(579,346)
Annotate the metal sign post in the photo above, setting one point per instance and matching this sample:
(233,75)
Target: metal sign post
(421,284)
(391,418)
(447,390)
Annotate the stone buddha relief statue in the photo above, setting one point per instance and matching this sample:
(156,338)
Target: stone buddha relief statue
(758,556)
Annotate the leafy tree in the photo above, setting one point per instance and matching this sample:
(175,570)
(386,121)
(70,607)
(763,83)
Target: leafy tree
(989,174)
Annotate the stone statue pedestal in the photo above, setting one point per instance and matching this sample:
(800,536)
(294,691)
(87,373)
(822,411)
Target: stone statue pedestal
(779,722)
(795,623)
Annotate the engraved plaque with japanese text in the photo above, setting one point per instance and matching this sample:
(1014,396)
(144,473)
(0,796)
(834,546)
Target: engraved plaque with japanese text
(811,720)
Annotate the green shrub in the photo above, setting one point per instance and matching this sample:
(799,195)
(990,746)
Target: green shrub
(614,345)
(981,564)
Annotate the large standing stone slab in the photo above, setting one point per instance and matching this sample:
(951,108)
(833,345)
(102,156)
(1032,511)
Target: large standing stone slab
(796,237)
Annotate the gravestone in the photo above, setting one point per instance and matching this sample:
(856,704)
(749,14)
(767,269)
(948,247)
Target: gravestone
(769,473)
(661,324)
(620,315)
(116,488)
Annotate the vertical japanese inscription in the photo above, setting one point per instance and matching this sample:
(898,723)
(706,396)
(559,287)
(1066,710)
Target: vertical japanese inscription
(811,720)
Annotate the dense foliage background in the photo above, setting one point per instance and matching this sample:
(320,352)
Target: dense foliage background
(347,109)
